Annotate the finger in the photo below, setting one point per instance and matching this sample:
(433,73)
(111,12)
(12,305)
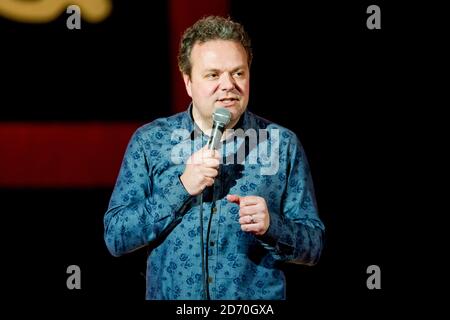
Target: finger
(210,172)
(212,153)
(208,181)
(251,227)
(249,201)
(211,163)
(233,198)
(194,159)
(199,156)
(247,211)
(247,220)
(205,152)
(215,154)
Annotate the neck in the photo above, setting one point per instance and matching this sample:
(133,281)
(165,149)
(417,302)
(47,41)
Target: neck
(206,124)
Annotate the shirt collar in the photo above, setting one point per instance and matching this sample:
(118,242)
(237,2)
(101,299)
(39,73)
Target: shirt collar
(244,123)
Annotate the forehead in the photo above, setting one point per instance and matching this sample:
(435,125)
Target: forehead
(219,54)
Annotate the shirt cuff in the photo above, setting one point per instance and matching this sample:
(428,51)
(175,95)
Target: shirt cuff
(174,195)
(271,239)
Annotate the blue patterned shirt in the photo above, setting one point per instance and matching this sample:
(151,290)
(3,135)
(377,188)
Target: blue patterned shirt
(150,207)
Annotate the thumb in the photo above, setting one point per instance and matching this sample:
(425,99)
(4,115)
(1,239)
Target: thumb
(206,152)
(233,198)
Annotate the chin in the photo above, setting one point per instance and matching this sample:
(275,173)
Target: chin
(236,110)
(236,113)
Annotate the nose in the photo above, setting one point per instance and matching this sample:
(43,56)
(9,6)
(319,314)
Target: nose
(227,82)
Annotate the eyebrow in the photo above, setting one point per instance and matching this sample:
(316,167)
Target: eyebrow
(218,71)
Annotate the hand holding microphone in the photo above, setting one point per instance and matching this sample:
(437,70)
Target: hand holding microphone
(202,166)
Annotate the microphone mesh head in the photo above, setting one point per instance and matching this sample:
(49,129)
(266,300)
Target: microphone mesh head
(222,115)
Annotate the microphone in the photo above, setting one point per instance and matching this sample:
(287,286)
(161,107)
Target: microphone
(221,118)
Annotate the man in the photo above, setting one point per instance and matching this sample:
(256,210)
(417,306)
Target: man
(218,224)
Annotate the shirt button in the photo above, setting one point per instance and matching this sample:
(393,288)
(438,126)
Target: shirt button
(211,243)
(214,209)
(210,279)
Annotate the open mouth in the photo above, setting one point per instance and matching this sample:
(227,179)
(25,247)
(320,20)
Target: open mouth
(228,101)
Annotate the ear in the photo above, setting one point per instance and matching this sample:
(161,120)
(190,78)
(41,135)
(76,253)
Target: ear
(187,84)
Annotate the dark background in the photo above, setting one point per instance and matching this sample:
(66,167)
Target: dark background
(317,70)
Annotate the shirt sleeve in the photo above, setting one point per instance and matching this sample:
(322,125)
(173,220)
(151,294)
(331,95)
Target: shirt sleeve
(296,233)
(139,211)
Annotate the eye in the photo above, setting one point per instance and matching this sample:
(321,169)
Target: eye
(211,75)
(239,74)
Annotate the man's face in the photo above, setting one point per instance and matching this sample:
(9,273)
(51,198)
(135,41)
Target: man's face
(220,77)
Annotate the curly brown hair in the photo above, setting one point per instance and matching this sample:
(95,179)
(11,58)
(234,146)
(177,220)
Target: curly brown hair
(211,28)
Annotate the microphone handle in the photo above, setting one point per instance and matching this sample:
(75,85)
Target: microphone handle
(216,135)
